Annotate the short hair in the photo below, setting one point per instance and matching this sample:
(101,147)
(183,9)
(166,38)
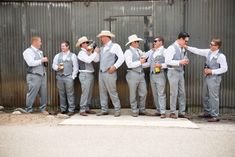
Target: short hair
(35,38)
(183,35)
(217,42)
(67,44)
(160,38)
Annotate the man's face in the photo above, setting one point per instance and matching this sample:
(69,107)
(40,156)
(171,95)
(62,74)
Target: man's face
(213,46)
(85,45)
(37,43)
(104,39)
(135,44)
(157,43)
(183,42)
(64,48)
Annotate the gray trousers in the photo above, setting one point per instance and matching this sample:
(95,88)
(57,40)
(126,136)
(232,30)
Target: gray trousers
(107,84)
(137,83)
(65,85)
(36,85)
(211,88)
(177,90)
(87,84)
(158,84)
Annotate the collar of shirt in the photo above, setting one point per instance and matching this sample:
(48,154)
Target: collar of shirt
(83,49)
(37,50)
(106,46)
(157,51)
(182,49)
(34,48)
(135,50)
(214,54)
(65,54)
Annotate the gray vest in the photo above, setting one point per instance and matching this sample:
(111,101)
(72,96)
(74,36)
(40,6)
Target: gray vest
(135,57)
(179,55)
(158,59)
(85,66)
(40,69)
(107,59)
(68,64)
(213,62)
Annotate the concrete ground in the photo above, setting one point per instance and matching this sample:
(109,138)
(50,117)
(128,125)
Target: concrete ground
(41,136)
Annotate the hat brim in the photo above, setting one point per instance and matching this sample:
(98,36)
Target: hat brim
(138,39)
(79,43)
(108,35)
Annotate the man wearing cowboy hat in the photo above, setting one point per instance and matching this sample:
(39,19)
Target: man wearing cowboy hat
(135,60)
(66,66)
(111,58)
(86,76)
(156,61)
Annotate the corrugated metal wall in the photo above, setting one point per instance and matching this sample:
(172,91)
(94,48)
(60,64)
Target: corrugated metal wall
(57,21)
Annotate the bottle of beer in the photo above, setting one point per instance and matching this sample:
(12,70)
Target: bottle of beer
(92,46)
(157,69)
(45,63)
(206,66)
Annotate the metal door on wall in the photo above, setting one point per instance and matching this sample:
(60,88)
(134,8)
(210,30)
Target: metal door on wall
(124,26)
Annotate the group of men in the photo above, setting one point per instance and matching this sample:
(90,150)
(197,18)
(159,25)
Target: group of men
(164,64)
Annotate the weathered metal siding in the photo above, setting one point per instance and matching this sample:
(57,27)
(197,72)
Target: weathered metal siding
(57,21)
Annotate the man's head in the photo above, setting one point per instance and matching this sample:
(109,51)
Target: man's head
(64,46)
(83,42)
(105,39)
(105,36)
(134,41)
(36,42)
(215,44)
(158,42)
(183,38)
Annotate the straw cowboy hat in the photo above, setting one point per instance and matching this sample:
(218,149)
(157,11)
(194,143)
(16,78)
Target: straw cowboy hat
(105,33)
(133,38)
(82,40)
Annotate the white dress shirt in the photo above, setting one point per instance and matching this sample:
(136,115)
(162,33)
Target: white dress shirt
(169,54)
(29,56)
(74,60)
(87,57)
(221,59)
(117,50)
(155,53)
(128,57)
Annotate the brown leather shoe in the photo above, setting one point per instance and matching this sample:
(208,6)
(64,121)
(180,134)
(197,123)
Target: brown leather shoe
(117,114)
(145,114)
(90,112)
(157,114)
(70,113)
(204,116)
(163,115)
(213,119)
(83,114)
(134,114)
(173,115)
(185,116)
(102,113)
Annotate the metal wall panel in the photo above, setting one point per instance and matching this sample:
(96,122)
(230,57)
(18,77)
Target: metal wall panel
(57,21)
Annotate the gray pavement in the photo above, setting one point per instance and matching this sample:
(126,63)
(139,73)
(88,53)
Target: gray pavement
(52,140)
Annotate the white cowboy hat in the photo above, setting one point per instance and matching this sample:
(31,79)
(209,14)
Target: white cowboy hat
(82,40)
(133,38)
(105,33)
